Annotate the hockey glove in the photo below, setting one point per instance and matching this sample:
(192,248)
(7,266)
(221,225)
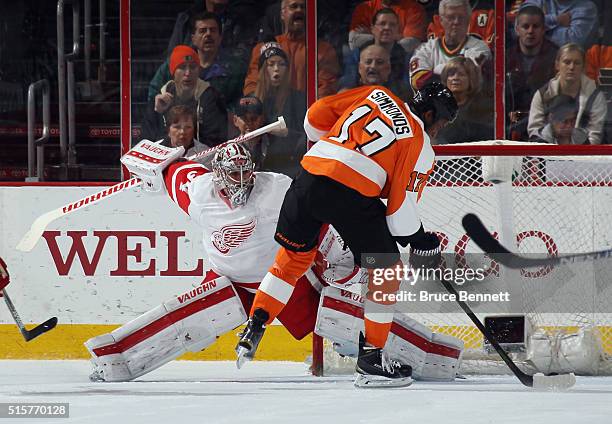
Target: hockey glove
(147,161)
(425,252)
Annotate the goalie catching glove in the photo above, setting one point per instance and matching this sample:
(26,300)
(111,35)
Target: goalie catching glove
(147,161)
(425,252)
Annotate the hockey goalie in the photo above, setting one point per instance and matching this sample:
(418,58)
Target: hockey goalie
(237,210)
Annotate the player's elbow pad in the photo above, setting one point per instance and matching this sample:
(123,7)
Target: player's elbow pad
(406,240)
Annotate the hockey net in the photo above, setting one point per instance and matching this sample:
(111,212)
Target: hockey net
(537,199)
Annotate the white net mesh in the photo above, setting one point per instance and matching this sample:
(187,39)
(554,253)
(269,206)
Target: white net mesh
(537,204)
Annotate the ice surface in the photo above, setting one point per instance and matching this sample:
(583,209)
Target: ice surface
(283,392)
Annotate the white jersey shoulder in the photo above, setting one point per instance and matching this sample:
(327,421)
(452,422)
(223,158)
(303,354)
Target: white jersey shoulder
(432,56)
(239,242)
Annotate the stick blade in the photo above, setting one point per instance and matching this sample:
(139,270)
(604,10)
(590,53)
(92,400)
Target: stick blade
(37,229)
(48,325)
(28,241)
(553,383)
(477,231)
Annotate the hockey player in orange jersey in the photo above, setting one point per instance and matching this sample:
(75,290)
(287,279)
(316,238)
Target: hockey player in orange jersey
(369,146)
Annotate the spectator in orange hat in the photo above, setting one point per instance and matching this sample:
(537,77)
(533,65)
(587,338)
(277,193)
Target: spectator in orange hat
(186,88)
(218,65)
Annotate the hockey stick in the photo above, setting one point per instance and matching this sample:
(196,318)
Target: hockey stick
(478,232)
(34,332)
(27,334)
(38,227)
(538,381)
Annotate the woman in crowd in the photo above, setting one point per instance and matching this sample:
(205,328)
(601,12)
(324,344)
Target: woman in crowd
(181,124)
(474,120)
(570,81)
(282,154)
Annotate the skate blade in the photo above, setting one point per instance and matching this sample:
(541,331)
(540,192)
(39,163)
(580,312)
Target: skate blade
(374,381)
(242,356)
(553,383)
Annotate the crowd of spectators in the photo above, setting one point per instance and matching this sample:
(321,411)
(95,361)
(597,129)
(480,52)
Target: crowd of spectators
(239,64)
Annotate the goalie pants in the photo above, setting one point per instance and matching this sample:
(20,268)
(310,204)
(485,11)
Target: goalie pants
(311,202)
(298,317)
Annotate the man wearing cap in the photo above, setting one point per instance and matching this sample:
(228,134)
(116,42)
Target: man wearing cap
(249,116)
(293,42)
(561,127)
(186,88)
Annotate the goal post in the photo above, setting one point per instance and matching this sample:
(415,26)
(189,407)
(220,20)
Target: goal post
(536,199)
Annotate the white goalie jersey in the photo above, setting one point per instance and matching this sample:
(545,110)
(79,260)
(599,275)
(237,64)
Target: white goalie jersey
(239,242)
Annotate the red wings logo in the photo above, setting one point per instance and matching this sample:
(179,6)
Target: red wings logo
(232,236)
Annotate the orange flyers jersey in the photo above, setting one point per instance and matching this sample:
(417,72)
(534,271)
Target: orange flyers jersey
(370,141)
(598,57)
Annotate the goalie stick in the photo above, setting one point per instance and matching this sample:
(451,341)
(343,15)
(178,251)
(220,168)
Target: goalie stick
(27,334)
(39,225)
(476,230)
(537,381)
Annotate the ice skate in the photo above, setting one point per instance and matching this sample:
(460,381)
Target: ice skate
(375,369)
(251,336)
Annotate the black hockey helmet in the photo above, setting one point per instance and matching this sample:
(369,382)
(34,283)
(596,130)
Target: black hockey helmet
(437,98)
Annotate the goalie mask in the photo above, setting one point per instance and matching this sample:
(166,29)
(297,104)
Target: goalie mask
(233,173)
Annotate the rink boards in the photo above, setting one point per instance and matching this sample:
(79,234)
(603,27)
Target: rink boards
(104,265)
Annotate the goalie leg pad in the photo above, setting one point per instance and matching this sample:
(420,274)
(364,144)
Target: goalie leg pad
(560,353)
(340,319)
(188,323)
(433,356)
